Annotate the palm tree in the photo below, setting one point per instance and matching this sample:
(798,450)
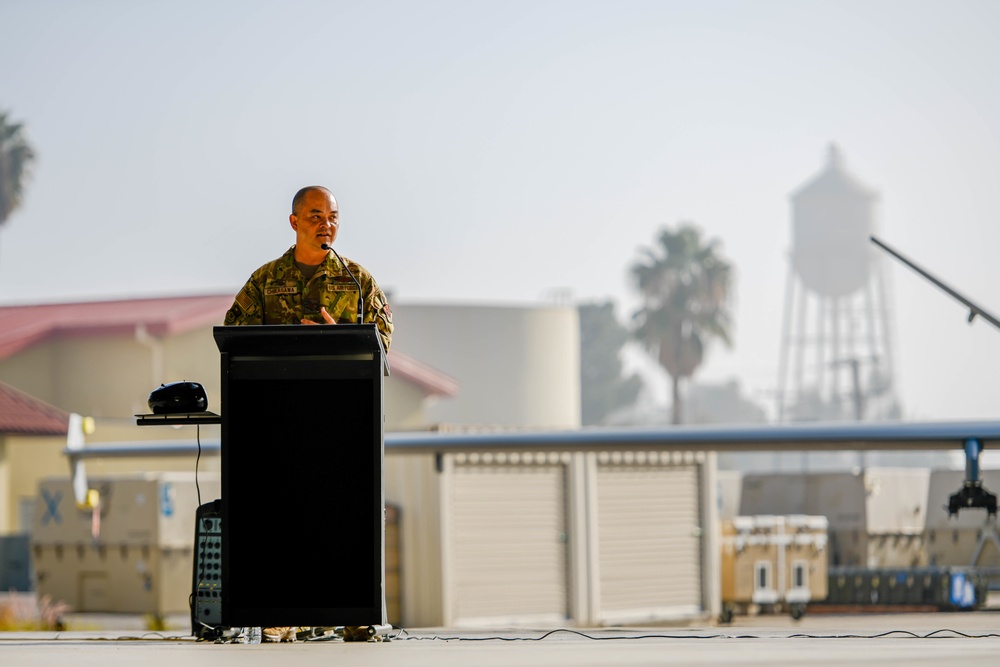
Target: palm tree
(685,289)
(16,160)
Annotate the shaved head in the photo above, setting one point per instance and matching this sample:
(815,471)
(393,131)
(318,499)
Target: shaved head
(301,195)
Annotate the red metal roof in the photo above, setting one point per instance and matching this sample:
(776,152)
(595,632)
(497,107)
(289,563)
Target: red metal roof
(22,413)
(434,382)
(24,326)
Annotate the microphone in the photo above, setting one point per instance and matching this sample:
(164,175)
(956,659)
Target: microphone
(361,296)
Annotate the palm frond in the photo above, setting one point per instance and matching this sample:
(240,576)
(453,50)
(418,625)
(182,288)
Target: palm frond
(686,288)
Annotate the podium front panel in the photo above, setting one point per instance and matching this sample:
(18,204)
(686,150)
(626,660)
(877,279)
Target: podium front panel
(303,522)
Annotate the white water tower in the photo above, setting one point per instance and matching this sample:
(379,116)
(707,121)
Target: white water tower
(836,355)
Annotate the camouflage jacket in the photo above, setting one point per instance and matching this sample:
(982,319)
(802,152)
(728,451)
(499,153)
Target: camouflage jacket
(278,293)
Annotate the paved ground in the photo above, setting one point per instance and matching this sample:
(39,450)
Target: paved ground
(953,639)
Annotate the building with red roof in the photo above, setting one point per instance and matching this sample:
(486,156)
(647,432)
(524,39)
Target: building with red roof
(23,414)
(32,432)
(518,368)
(101,359)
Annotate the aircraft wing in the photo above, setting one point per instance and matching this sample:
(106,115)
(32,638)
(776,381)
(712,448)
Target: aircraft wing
(812,436)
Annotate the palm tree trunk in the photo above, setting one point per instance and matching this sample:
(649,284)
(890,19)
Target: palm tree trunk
(675,410)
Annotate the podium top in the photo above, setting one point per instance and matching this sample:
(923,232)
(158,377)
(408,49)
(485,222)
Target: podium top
(336,341)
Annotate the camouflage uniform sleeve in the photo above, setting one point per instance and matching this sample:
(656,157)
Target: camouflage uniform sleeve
(378,312)
(248,308)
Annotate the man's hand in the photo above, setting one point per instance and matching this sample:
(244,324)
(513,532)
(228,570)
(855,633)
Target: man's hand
(326,316)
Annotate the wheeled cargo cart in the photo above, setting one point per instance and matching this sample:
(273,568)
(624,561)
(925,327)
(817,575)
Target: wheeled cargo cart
(773,563)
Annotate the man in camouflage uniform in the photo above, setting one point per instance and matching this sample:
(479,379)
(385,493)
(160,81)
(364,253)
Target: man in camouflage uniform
(308,284)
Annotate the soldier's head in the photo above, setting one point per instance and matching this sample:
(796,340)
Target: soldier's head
(315,218)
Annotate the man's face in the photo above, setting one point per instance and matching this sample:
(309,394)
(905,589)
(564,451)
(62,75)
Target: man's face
(316,221)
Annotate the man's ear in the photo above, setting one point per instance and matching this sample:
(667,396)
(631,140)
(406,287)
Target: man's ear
(294,222)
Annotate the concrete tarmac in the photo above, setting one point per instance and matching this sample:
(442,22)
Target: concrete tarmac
(962,639)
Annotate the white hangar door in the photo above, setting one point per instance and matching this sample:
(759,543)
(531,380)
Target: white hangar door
(508,541)
(649,538)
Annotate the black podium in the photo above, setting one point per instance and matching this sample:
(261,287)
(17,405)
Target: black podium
(302,453)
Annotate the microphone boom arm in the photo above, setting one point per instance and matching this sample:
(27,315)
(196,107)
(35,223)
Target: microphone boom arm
(972,493)
(973,308)
(361,295)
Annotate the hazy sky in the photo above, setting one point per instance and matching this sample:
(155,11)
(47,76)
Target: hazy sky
(503,151)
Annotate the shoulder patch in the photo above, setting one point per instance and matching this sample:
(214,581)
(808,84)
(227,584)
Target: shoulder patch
(243,301)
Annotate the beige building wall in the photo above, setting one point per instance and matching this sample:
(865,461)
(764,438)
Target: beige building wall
(23,461)
(193,356)
(100,377)
(107,377)
(404,405)
(777,494)
(7,518)
(110,377)
(969,538)
(516,366)
(142,556)
(32,371)
(876,515)
(897,500)
(413,483)
(730,483)
(477,531)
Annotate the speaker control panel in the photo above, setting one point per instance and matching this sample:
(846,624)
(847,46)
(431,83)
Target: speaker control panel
(206,603)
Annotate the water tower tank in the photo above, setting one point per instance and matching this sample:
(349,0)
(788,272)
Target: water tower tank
(832,218)
(836,349)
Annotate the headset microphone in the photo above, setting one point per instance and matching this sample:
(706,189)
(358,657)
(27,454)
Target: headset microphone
(361,296)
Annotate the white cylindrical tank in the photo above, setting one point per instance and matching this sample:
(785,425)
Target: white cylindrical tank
(515,366)
(832,219)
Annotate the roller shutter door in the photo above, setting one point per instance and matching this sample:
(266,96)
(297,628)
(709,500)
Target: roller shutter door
(509,542)
(649,540)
